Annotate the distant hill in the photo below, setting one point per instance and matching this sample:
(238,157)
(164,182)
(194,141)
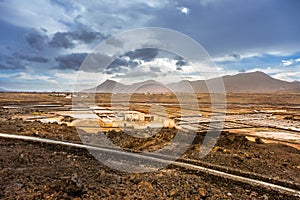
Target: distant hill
(258,82)
(253,82)
(149,87)
(108,86)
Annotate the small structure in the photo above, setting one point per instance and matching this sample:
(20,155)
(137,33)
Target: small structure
(133,116)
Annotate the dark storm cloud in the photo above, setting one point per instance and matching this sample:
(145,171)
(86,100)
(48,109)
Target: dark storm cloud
(19,60)
(36,40)
(14,63)
(236,56)
(11,63)
(122,62)
(31,58)
(131,60)
(70,61)
(116,70)
(4,67)
(146,54)
(62,40)
(179,68)
(87,36)
(93,62)
(181,63)
(118,62)
(227,26)
(82,34)
(120,65)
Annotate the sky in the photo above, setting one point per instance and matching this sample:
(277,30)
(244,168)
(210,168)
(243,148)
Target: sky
(43,43)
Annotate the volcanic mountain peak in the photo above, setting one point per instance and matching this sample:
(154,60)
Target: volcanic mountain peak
(257,74)
(148,82)
(252,82)
(109,81)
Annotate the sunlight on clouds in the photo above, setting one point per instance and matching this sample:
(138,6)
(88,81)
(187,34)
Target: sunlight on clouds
(184,10)
(287,62)
(291,74)
(287,76)
(42,77)
(86,79)
(290,62)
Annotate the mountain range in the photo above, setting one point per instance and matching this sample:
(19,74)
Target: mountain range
(253,82)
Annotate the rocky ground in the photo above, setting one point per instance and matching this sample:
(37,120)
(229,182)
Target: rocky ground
(30,170)
(232,150)
(35,171)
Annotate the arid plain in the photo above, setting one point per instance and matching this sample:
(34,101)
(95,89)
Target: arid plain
(260,139)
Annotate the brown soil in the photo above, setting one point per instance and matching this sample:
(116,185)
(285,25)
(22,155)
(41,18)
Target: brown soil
(235,151)
(36,128)
(36,171)
(157,141)
(232,150)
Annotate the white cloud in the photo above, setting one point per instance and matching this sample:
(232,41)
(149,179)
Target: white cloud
(166,71)
(131,3)
(229,57)
(282,51)
(268,70)
(287,76)
(154,3)
(287,62)
(291,74)
(184,10)
(165,64)
(35,14)
(8,75)
(42,77)
(160,69)
(78,80)
(224,58)
(290,62)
